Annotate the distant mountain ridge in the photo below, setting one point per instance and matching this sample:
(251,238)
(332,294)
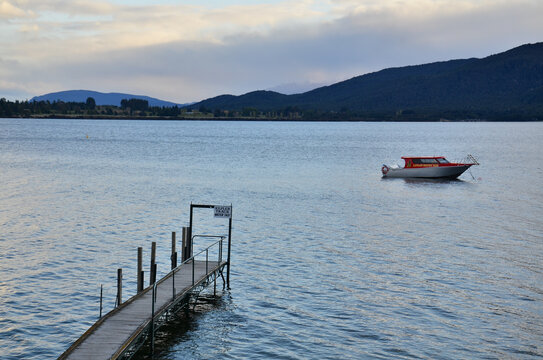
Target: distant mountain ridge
(508,81)
(100,98)
(296,88)
(504,86)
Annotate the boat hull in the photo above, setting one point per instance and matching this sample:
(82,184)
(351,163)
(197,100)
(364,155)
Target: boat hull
(434,172)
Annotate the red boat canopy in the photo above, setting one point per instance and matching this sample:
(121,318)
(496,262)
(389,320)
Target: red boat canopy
(423,161)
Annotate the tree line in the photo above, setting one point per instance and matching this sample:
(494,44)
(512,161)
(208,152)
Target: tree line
(129,107)
(132,108)
(140,109)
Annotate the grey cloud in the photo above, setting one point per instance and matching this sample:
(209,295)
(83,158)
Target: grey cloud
(346,47)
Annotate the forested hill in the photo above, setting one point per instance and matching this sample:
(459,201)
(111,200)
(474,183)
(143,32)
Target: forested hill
(509,83)
(80,96)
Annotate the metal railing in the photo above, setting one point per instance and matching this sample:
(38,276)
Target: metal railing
(190,262)
(471,159)
(221,237)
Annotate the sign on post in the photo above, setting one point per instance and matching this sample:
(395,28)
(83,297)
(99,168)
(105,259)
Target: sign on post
(223,211)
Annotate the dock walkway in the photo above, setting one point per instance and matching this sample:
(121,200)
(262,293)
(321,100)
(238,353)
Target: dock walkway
(120,333)
(112,335)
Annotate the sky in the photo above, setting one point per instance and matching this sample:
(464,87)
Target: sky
(185,51)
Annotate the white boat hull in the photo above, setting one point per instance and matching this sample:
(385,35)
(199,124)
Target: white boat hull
(434,172)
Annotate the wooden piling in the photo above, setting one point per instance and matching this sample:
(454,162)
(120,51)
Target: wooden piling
(152,270)
(101,296)
(187,241)
(140,269)
(174,252)
(119,287)
(184,244)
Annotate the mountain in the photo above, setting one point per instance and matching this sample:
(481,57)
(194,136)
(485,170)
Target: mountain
(295,88)
(508,82)
(100,98)
(265,100)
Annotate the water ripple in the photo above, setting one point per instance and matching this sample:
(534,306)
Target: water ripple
(329,260)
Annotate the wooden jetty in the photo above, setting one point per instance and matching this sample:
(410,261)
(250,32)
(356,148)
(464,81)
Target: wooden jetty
(121,332)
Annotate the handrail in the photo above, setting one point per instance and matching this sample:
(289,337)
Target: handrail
(209,236)
(472,159)
(153,289)
(189,260)
(153,301)
(172,273)
(194,256)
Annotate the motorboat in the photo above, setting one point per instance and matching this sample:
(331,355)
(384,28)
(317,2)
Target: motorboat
(433,167)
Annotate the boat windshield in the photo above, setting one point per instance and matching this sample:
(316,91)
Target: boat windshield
(443,161)
(424,161)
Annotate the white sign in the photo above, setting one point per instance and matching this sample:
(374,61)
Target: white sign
(223,211)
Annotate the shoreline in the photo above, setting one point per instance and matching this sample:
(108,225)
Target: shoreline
(252,119)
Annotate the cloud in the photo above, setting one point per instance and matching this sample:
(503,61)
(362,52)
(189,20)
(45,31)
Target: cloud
(69,7)
(10,11)
(186,52)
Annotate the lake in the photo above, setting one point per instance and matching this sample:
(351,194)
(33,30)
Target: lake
(329,260)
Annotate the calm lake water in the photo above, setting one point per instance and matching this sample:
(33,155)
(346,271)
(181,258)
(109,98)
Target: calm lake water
(329,260)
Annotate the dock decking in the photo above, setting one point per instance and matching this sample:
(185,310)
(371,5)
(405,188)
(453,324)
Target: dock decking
(115,332)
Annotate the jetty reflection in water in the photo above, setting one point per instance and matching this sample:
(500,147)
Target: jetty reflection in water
(183,328)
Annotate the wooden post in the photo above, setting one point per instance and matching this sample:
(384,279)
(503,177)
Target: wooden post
(153,264)
(184,244)
(101,295)
(174,252)
(140,269)
(119,287)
